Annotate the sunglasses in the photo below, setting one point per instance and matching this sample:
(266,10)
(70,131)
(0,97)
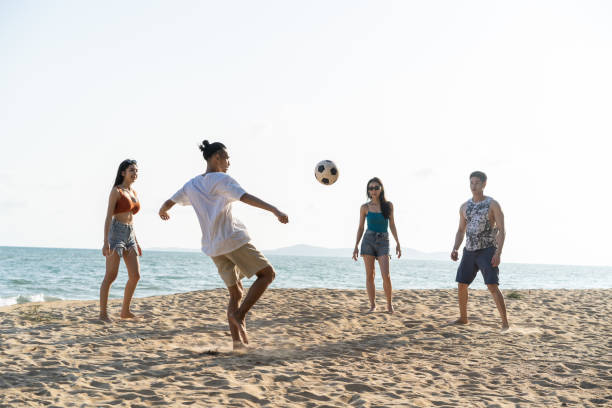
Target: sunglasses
(373,188)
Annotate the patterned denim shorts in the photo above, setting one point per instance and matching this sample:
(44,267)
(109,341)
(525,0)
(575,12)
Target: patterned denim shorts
(375,243)
(121,237)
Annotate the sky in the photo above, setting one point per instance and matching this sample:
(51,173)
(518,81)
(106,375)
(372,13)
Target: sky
(419,94)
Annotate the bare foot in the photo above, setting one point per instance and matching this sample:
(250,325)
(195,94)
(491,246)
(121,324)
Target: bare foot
(390,309)
(372,309)
(505,327)
(240,347)
(461,321)
(104,317)
(128,315)
(240,325)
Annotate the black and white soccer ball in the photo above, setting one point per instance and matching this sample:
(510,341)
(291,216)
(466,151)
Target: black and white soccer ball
(326,172)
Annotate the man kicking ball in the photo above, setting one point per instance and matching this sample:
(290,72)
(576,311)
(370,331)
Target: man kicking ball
(224,238)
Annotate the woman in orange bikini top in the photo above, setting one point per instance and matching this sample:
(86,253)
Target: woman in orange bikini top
(120,239)
(125,202)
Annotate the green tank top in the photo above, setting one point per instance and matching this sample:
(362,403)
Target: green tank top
(377,222)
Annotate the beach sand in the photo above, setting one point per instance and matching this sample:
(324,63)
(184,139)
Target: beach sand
(312,348)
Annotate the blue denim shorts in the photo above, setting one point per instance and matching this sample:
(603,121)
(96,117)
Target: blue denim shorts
(121,237)
(473,261)
(375,243)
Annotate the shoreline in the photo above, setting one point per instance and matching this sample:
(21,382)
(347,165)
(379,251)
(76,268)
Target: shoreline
(505,291)
(313,347)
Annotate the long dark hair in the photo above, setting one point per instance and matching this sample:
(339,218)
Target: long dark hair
(123,167)
(208,149)
(384,204)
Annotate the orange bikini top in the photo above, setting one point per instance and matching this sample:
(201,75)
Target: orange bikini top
(125,203)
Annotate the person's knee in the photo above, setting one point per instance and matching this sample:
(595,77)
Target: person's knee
(493,288)
(267,274)
(135,277)
(272,275)
(109,279)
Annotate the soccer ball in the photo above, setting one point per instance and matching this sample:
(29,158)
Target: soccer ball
(326,172)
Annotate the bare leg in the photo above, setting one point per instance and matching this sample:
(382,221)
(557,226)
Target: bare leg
(463,300)
(383,263)
(500,303)
(133,267)
(239,284)
(234,302)
(112,268)
(368,260)
(237,319)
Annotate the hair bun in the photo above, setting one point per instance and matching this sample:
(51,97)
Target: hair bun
(208,149)
(204,146)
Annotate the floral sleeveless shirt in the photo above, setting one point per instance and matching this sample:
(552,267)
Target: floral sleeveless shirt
(479,233)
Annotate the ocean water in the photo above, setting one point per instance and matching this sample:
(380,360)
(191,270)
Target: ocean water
(48,274)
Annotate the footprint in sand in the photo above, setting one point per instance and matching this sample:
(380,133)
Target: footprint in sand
(356,387)
(247,396)
(522,330)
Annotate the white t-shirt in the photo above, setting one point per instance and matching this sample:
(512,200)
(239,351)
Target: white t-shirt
(211,196)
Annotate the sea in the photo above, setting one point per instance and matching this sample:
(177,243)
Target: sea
(51,274)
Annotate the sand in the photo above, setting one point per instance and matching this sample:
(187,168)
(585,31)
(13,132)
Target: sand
(312,348)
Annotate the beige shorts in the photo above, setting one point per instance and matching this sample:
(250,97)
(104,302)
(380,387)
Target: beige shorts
(245,261)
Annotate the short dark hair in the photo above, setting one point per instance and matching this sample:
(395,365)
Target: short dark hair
(480,175)
(208,149)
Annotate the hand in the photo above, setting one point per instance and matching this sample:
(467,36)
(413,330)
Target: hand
(139,249)
(282,217)
(163,214)
(496,260)
(106,249)
(398,251)
(355,253)
(454,255)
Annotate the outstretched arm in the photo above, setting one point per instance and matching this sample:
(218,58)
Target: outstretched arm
(498,216)
(398,248)
(163,211)
(459,235)
(256,202)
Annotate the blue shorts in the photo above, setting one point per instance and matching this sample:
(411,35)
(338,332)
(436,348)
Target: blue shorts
(121,237)
(375,243)
(473,261)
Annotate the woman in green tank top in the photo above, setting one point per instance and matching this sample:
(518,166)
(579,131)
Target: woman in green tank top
(378,212)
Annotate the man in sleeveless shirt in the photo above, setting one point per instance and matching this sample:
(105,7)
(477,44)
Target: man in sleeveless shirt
(481,221)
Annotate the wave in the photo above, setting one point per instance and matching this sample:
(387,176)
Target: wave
(19,299)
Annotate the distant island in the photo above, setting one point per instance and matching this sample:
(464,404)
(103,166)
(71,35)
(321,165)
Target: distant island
(173,249)
(310,250)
